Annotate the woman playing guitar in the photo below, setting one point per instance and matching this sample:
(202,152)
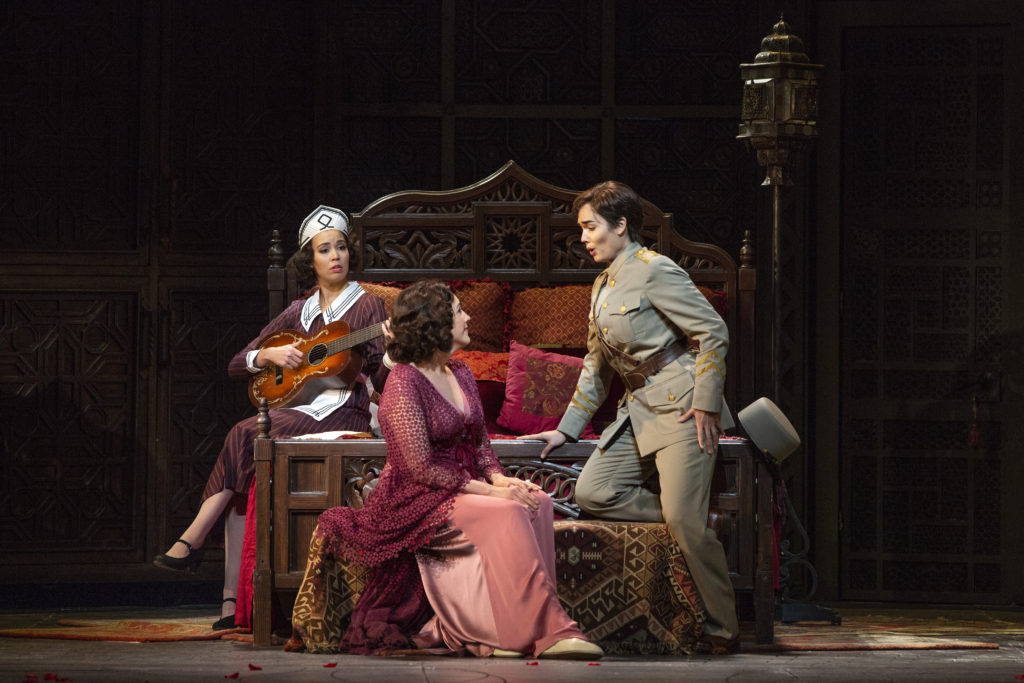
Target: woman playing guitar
(325,404)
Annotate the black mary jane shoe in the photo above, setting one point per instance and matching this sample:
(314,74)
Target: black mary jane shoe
(189,563)
(227,622)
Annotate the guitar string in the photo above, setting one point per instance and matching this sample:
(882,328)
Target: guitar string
(354,339)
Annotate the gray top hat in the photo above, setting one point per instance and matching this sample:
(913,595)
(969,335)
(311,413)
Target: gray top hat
(769,429)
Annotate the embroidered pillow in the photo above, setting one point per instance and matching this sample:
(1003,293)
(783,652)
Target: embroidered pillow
(486,365)
(538,389)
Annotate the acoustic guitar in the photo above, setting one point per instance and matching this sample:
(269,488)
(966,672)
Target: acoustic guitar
(324,354)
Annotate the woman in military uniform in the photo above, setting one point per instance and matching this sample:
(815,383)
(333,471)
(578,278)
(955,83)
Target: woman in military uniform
(651,325)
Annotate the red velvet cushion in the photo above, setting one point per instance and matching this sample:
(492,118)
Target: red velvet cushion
(717,298)
(490,370)
(492,396)
(539,386)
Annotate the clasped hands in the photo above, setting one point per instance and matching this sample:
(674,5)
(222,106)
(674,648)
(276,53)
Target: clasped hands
(515,489)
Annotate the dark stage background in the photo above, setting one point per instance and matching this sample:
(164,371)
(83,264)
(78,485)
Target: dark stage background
(147,150)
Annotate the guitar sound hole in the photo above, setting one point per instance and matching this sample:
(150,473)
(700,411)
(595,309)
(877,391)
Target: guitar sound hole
(317,354)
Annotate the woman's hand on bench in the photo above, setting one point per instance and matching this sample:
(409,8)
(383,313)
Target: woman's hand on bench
(553,438)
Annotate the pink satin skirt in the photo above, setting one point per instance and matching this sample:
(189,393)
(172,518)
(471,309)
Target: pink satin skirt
(490,576)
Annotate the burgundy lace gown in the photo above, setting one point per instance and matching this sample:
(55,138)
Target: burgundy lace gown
(447,569)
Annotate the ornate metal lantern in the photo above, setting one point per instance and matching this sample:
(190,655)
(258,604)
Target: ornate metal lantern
(779,122)
(780,102)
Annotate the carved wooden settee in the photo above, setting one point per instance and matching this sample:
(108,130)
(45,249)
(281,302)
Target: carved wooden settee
(515,229)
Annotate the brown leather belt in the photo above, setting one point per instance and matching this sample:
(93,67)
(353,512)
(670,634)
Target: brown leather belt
(637,377)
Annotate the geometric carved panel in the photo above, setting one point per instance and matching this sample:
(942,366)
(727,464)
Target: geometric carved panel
(564,152)
(678,52)
(70,151)
(509,53)
(207,330)
(389,51)
(68,382)
(241,142)
(693,164)
(924,272)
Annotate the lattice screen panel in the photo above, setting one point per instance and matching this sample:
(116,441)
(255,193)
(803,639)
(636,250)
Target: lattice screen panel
(923,234)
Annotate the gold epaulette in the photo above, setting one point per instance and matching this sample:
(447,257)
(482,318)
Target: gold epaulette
(646,255)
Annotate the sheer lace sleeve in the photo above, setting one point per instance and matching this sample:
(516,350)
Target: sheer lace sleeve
(404,423)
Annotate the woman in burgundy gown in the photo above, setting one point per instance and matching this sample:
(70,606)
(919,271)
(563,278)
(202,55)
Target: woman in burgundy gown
(461,557)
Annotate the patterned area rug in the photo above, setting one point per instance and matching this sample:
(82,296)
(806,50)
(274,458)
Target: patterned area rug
(127,630)
(857,632)
(890,632)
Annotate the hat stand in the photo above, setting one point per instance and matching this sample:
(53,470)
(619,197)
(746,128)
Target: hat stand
(779,122)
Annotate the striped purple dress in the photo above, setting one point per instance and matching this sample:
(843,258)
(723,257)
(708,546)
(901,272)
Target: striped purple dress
(341,411)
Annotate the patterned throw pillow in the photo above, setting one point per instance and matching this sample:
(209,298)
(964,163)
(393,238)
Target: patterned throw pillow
(486,365)
(485,301)
(551,315)
(538,389)
(386,293)
(558,316)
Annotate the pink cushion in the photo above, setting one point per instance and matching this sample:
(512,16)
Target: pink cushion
(538,389)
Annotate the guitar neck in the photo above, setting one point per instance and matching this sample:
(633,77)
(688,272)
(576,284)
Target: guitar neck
(355,338)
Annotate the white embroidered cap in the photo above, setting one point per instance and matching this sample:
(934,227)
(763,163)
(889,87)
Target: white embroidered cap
(322,218)
(769,429)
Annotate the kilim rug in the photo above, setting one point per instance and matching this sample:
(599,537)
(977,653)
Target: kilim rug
(867,632)
(126,630)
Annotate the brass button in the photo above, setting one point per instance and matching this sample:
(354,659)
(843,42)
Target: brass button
(623,309)
(591,315)
(612,283)
(604,305)
(631,397)
(671,397)
(604,330)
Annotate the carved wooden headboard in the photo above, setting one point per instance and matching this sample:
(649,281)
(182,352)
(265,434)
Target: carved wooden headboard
(513,227)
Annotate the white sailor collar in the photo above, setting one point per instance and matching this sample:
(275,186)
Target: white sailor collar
(338,307)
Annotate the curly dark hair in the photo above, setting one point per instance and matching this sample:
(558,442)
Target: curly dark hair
(421,320)
(613,200)
(300,265)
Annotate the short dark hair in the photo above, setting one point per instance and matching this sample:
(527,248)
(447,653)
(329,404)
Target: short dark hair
(613,200)
(300,265)
(421,320)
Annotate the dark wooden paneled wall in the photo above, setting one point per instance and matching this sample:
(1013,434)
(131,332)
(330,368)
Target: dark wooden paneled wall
(147,149)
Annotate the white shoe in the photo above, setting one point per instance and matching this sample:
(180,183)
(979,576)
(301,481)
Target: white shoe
(573,648)
(508,654)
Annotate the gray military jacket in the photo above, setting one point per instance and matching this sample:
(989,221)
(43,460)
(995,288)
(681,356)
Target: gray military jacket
(650,303)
